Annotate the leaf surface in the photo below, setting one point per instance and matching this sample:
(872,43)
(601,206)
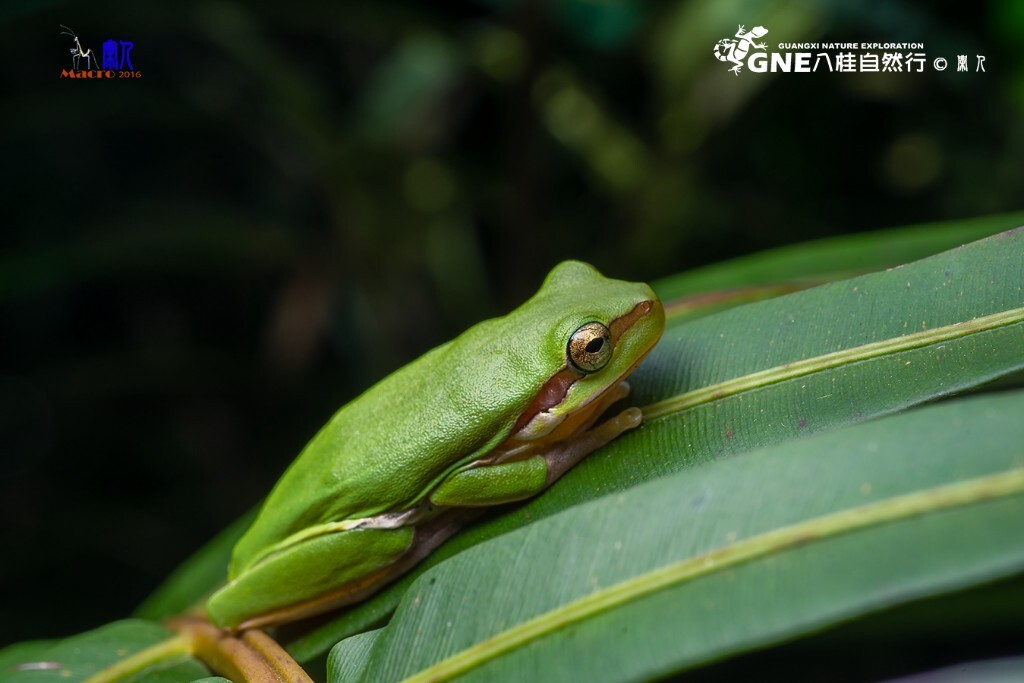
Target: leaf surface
(78,657)
(738,553)
(776,370)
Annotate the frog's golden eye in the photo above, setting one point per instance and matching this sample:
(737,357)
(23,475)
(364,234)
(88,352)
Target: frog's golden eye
(590,347)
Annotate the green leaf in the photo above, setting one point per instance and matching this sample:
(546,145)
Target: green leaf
(780,369)
(19,653)
(735,554)
(78,657)
(760,374)
(800,266)
(1008,670)
(824,258)
(348,661)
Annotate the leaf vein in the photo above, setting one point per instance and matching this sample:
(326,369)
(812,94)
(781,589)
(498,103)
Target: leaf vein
(896,508)
(807,366)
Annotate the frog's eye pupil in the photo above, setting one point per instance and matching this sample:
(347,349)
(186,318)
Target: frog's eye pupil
(590,347)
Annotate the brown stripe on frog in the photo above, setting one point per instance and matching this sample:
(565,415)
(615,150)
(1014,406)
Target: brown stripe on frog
(550,395)
(624,322)
(555,389)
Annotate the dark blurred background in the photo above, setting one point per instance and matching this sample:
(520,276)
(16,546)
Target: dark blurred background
(200,265)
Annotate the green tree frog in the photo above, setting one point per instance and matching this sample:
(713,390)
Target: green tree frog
(493,416)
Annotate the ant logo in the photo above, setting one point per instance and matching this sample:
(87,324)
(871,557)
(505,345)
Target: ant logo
(77,52)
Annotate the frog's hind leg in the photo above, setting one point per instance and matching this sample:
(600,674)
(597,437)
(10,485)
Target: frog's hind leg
(429,536)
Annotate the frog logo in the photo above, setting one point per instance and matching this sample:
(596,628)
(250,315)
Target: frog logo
(729,50)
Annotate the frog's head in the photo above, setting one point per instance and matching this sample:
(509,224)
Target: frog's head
(595,331)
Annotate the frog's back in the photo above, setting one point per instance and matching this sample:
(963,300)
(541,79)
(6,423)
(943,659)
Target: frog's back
(382,451)
(385,449)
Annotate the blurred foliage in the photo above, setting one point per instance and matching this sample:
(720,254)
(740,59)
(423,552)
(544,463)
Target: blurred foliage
(197,267)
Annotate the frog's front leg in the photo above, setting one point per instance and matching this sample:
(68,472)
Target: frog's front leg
(505,482)
(562,458)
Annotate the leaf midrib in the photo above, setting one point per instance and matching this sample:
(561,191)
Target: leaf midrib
(828,361)
(892,509)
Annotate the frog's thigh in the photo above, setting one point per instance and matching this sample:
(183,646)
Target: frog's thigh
(325,565)
(492,484)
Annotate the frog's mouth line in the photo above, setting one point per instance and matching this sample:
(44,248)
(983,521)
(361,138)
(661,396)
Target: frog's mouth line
(557,388)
